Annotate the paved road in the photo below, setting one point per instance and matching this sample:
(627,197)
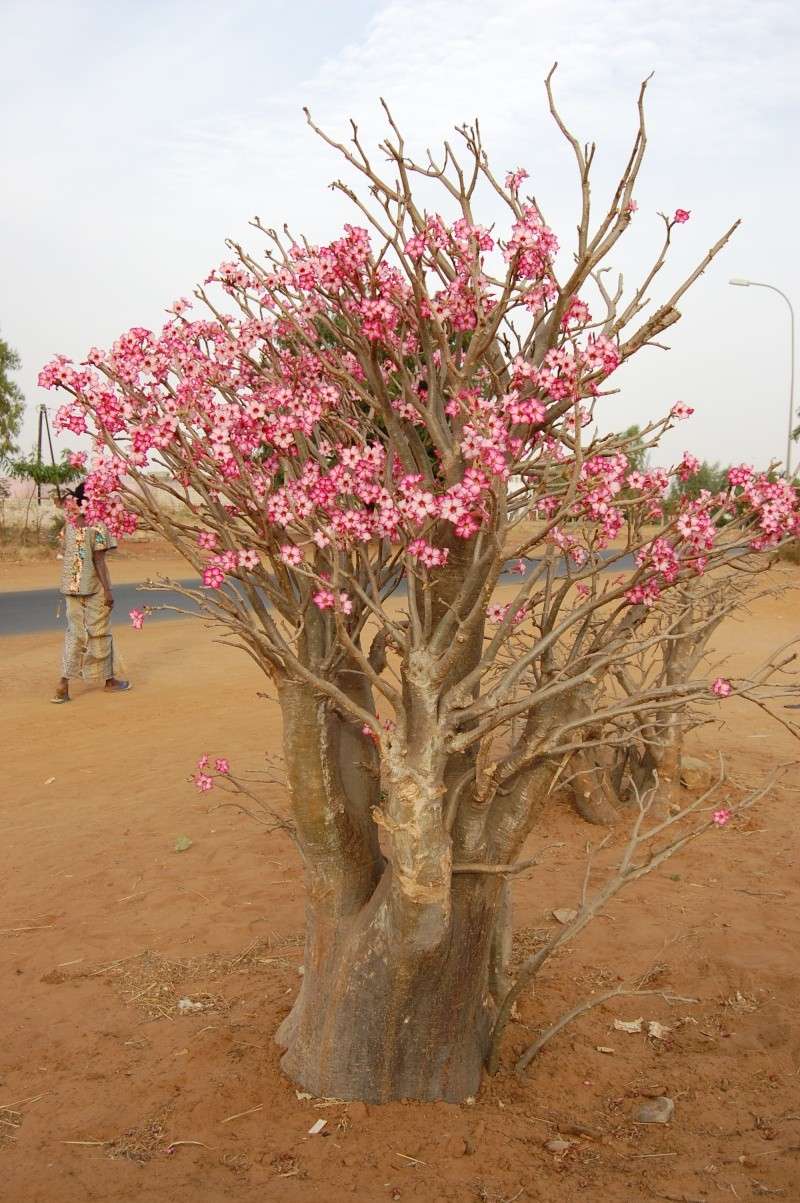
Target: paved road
(30,610)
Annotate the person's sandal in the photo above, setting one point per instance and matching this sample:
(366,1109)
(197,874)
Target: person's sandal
(60,698)
(118,687)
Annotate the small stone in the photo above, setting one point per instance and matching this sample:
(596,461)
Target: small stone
(656,1111)
(695,774)
(564,915)
(558,1146)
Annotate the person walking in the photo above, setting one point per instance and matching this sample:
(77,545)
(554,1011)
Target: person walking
(89,650)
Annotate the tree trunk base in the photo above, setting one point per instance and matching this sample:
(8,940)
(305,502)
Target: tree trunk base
(379,1019)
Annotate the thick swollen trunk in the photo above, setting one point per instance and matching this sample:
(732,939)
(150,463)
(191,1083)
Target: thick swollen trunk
(385,1013)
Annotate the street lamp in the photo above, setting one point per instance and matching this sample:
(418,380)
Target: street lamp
(757,284)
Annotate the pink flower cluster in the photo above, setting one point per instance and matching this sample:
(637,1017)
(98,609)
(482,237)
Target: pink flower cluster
(515,179)
(203,778)
(326,599)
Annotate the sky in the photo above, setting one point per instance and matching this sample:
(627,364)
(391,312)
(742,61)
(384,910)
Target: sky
(138,136)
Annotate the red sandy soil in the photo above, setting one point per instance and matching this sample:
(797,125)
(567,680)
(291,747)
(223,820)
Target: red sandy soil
(104,927)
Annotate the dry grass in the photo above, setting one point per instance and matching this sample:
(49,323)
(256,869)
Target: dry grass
(156,985)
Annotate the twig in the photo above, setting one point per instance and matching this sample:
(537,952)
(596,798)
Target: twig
(618,992)
(413,1160)
(517,867)
(240,1114)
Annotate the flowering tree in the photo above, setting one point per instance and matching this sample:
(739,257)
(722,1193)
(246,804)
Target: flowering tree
(394,491)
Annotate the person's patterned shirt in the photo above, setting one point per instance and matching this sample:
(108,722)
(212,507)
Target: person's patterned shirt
(79,576)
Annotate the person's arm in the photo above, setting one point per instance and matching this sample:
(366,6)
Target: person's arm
(99,558)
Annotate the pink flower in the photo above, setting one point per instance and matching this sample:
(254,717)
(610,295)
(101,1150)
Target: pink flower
(369,733)
(515,178)
(688,466)
(248,559)
(324,599)
(496,613)
(681,215)
(291,555)
(721,816)
(203,782)
(721,687)
(213,577)
(77,459)
(680,410)
(518,567)
(631,206)
(207,539)
(202,762)
(222,765)
(137,619)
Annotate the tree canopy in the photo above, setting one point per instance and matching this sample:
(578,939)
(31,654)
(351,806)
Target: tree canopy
(12,401)
(393,488)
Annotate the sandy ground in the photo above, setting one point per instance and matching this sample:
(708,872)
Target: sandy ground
(104,927)
(38,568)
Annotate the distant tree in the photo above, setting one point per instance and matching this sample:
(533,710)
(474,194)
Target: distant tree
(12,402)
(636,449)
(40,473)
(711,478)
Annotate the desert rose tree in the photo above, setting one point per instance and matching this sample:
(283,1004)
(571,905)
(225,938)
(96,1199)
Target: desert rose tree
(394,490)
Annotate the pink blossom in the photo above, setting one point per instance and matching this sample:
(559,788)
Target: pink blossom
(213,577)
(681,215)
(631,206)
(721,687)
(291,555)
(519,567)
(515,178)
(222,765)
(207,539)
(203,782)
(646,594)
(688,466)
(248,559)
(740,475)
(680,410)
(721,816)
(77,459)
(427,554)
(137,618)
(202,763)
(324,599)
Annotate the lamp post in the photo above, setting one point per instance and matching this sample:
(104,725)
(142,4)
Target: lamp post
(758,284)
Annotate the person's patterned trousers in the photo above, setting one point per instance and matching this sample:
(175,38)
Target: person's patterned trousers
(89,650)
